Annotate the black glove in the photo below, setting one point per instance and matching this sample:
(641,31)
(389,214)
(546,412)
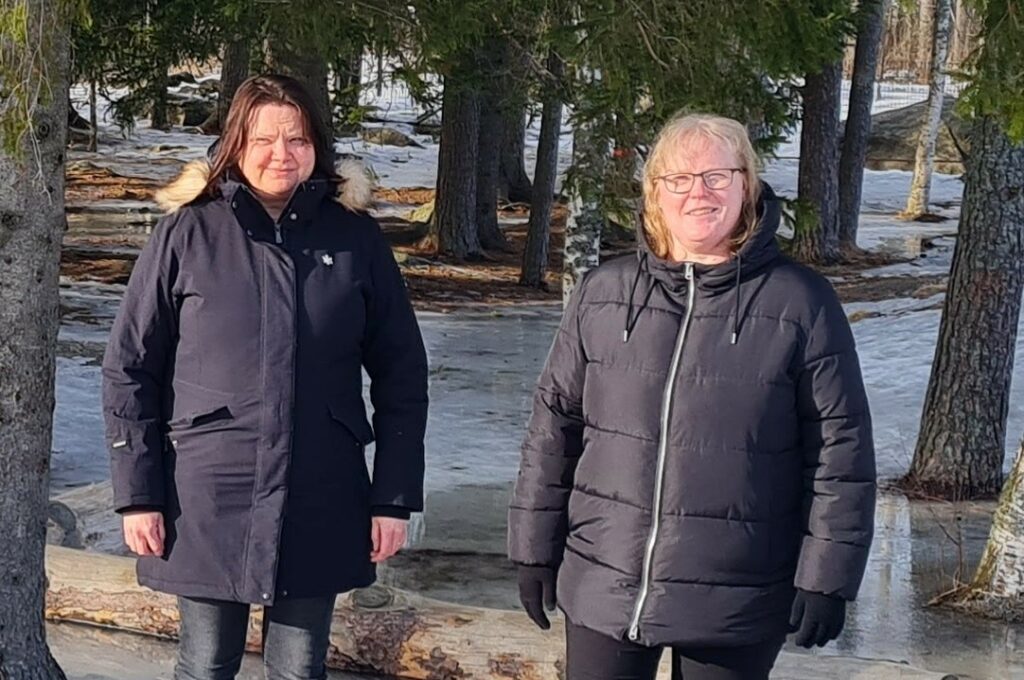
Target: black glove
(816,618)
(537,591)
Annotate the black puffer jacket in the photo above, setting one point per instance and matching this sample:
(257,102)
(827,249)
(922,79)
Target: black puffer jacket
(698,447)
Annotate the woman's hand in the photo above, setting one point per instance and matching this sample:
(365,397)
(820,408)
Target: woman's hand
(388,535)
(144,532)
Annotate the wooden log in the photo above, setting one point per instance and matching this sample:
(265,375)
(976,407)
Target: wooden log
(376,630)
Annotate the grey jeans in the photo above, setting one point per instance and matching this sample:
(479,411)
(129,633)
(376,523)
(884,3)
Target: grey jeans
(296,633)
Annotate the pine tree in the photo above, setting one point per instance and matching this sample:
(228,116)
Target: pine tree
(34,68)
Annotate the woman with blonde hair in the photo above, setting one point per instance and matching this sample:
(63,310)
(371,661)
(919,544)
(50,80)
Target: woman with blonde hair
(698,471)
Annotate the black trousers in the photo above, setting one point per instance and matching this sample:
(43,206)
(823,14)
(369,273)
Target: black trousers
(594,656)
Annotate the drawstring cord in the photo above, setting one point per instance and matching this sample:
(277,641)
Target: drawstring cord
(736,294)
(630,320)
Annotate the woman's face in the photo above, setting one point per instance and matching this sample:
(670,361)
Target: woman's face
(278,153)
(701,220)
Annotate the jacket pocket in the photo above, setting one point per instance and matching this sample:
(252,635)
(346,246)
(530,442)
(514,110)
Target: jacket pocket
(196,406)
(352,417)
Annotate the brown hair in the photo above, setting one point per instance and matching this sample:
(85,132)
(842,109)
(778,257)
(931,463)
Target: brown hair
(272,88)
(681,129)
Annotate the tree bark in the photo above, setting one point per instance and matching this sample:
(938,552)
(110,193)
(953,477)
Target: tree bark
(538,235)
(817,235)
(965,34)
(961,445)
(94,131)
(514,183)
(158,119)
(997,589)
(858,121)
(586,219)
(377,631)
(233,72)
(925,30)
(453,229)
(348,80)
(32,223)
(924,158)
(489,161)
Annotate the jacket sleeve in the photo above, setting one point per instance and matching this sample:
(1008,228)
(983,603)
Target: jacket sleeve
(839,458)
(396,362)
(538,512)
(134,368)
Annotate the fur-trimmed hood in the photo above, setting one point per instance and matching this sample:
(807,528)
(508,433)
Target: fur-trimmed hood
(355,192)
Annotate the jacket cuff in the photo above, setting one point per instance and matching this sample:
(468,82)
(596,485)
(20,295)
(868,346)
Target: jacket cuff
(394,511)
(142,507)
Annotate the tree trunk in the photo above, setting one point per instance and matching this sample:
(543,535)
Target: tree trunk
(488,160)
(310,69)
(233,72)
(94,131)
(32,223)
(925,30)
(538,235)
(997,589)
(453,229)
(965,34)
(960,448)
(817,236)
(586,219)
(377,630)
(348,81)
(924,158)
(858,121)
(515,183)
(158,119)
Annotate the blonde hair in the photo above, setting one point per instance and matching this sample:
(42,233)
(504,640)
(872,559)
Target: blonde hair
(681,129)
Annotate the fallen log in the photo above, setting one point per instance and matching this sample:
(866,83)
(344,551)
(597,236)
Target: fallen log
(378,630)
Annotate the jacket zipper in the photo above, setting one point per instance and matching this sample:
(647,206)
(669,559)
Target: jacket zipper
(659,477)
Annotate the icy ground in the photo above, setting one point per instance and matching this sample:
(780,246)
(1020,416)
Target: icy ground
(484,364)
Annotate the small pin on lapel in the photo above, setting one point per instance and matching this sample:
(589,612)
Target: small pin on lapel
(328,260)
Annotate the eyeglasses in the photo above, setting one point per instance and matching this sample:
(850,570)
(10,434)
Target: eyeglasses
(714,180)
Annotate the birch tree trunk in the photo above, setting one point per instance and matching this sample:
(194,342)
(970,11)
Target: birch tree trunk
(31,225)
(858,120)
(924,158)
(586,219)
(961,445)
(998,585)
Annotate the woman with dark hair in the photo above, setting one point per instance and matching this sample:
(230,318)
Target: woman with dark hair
(232,391)
(699,472)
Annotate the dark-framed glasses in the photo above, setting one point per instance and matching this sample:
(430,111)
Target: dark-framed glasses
(714,180)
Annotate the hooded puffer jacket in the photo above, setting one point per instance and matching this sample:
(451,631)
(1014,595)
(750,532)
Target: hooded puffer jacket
(700,444)
(232,390)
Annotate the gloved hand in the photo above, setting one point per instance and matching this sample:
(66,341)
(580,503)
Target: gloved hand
(816,618)
(537,592)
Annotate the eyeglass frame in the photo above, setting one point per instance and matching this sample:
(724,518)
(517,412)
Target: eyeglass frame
(732,172)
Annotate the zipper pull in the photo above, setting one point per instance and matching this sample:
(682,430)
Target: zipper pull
(278,238)
(688,271)
(634,633)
